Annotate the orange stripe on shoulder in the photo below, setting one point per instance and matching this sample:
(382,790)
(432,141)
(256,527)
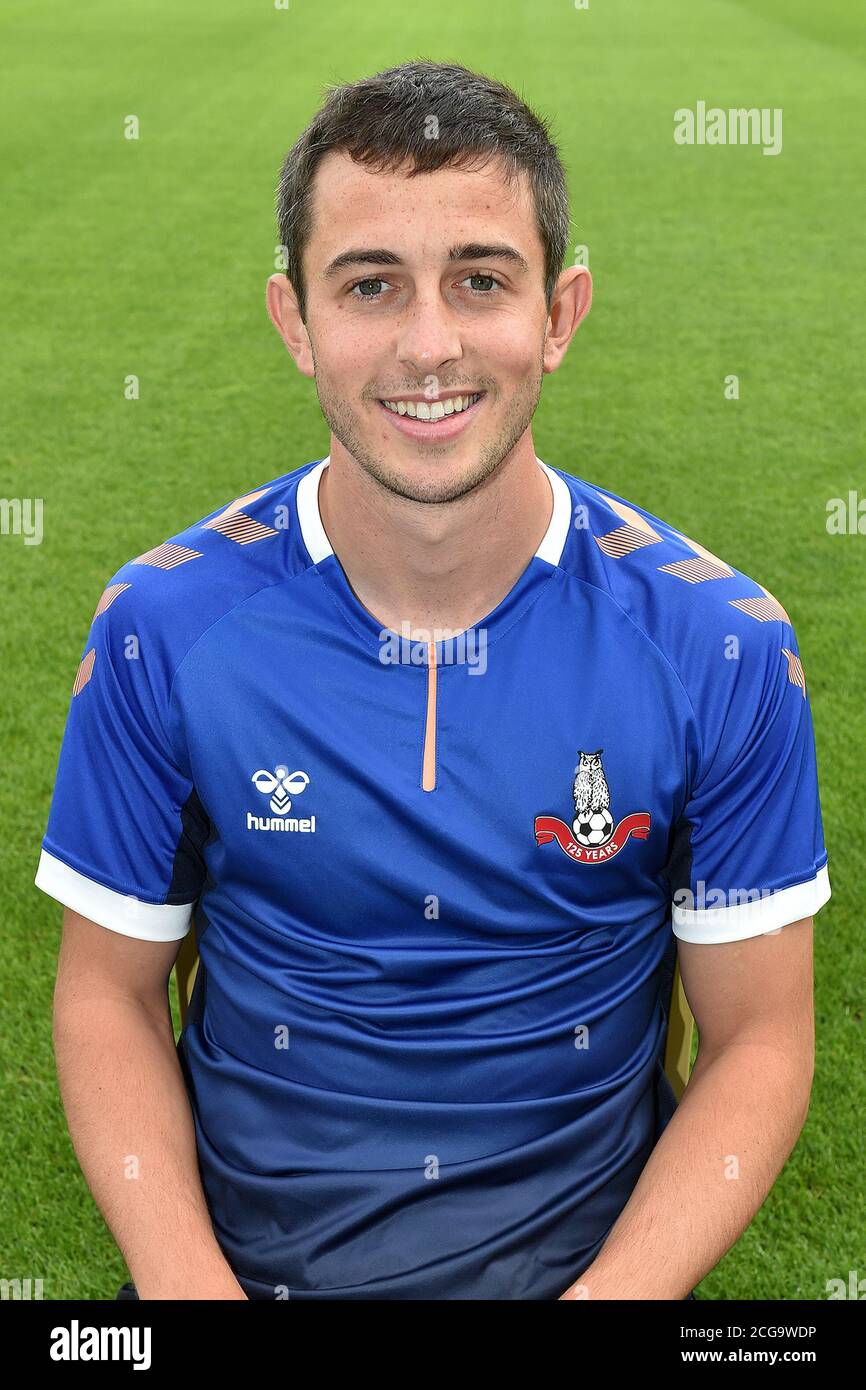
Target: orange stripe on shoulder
(167,556)
(84,672)
(234,522)
(107,598)
(796,674)
(622,540)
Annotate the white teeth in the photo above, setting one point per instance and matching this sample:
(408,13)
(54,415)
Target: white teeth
(434,410)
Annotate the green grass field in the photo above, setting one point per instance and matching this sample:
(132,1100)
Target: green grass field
(150,257)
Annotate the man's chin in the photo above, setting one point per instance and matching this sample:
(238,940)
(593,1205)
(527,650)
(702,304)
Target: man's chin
(431,474)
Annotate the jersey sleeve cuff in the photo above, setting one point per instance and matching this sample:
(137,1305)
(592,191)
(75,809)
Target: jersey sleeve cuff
(742,920)
(119,912)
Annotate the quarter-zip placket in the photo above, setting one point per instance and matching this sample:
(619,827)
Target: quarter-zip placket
(428,768)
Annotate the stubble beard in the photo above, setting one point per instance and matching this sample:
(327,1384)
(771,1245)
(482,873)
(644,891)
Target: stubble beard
(348,426)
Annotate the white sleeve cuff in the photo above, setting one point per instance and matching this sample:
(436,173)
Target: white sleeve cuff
(755,918)
(117,911)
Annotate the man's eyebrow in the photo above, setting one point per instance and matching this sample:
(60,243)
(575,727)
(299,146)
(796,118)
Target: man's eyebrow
(360,256)
(485,251)
(467,251)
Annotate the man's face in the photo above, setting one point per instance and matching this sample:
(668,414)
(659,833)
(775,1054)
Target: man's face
(441,297)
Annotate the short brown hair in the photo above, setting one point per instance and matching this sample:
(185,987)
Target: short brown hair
(385,120)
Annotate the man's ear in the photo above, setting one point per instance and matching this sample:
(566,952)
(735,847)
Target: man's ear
(571,300)
(285,315)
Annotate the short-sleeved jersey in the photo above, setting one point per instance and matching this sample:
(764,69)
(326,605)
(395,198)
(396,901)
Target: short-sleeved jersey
(436,886)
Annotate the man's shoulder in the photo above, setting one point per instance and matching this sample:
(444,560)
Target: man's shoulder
(694,604)
(179,587)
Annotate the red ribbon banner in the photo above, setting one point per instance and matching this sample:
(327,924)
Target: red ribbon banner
(552,828)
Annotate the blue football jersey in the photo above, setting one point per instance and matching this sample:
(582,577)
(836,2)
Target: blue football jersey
(436,885)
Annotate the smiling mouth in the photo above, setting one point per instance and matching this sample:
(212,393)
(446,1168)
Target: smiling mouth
(432,410)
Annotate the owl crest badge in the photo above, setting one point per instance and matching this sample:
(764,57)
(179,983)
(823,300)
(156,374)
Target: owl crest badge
(592,837)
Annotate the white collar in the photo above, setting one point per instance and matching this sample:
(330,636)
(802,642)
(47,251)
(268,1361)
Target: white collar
(316,539)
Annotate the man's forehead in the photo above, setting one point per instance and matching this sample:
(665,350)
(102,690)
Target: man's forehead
(349,198)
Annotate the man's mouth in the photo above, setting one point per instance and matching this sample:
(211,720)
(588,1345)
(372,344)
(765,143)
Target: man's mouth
(432,410)
(432,420)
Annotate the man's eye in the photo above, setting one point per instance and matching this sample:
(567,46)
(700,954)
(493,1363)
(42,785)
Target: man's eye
(361,290)
(482,289)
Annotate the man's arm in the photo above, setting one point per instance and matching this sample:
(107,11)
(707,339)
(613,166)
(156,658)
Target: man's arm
(738,1120)
(128,1112)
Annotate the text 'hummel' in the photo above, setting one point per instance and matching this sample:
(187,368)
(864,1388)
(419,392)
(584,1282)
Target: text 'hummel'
(280,823)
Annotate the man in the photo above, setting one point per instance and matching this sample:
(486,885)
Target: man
(443,752)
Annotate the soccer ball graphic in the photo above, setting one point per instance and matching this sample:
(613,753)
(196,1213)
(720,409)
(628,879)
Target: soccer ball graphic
(592,828)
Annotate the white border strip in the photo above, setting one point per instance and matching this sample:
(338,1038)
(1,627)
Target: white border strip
(118,911)
(314,535)
(717,924)
(553,541)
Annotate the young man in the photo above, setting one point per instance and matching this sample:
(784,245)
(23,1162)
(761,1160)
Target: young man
(443,752)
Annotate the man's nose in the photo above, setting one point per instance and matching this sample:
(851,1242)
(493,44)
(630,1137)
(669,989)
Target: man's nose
(429,338)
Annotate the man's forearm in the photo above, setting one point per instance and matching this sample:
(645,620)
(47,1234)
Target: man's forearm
(130,1122)
(721,1152)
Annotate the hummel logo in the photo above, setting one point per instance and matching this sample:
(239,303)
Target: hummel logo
(280,782)
(281,785)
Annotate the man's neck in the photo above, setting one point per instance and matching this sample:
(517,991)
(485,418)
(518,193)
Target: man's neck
(442,567)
